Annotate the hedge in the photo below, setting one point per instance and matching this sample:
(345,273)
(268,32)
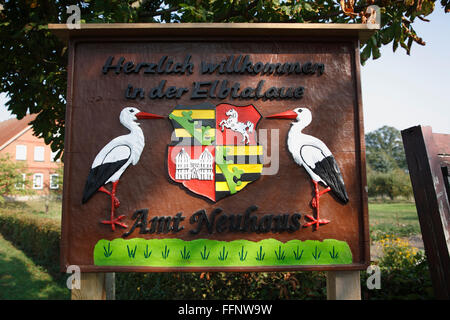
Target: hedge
(36,236)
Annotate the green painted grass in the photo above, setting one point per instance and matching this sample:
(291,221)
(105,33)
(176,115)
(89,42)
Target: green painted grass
(395,218)
(214,253)
(21,279)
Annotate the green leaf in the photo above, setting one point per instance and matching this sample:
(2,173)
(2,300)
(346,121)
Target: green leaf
(307,7)
(387,35)
(427,8)
(376,52)
(397,30)
(365,54)
(394,46)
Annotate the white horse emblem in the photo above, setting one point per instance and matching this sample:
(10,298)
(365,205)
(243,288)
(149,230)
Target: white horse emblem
(232,123)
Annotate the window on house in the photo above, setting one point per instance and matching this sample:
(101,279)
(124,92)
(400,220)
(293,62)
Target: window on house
(21,152)
(38,181)
(54,181)
(39,153)
(21,185)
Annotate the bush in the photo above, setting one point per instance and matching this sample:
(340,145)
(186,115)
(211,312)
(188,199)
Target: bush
(395,183)
(381,230)
(37,237)
(404,272)
(221,285)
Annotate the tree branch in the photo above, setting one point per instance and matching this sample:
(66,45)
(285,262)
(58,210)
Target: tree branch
(414,36)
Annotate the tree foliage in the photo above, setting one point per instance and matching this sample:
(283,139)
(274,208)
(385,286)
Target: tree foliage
(393,184)
(57,180)
(11,178)
(387,169)
(33,68)
(384,149)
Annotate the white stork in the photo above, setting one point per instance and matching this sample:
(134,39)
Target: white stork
(114,159)
(316,158)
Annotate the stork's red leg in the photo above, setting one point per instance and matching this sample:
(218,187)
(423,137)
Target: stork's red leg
(315,204)
(114,204)
(116,201)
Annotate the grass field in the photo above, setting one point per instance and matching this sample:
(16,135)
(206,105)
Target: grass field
(36,208)
(399,218)
(21,279)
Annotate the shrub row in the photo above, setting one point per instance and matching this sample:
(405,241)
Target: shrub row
(221,285)
(37,237)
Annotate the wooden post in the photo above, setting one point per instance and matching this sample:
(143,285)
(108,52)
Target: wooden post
(428,158)
(110,285)
(95,286)
(343,285)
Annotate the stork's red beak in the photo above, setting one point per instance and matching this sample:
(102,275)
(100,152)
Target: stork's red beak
(284,115)
(146,115)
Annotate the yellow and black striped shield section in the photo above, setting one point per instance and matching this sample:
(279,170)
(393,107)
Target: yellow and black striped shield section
(236,167)
(193,125)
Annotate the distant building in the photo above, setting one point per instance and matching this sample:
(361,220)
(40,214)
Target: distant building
(17,139)
(188,169)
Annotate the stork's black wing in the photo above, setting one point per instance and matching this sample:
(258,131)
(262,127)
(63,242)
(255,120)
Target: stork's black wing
(327,169)
(107,162)
(98,176)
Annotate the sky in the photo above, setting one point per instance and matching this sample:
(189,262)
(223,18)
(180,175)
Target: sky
(404,91)
(400,90)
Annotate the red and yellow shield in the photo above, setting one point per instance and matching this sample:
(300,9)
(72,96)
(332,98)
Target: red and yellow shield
(214,150)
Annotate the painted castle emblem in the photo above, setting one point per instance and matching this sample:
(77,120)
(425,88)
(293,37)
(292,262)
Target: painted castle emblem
(214,151)
(188,169)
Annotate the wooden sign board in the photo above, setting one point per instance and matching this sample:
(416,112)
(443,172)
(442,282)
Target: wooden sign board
(174,163)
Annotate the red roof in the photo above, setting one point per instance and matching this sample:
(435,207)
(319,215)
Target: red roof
(12,127)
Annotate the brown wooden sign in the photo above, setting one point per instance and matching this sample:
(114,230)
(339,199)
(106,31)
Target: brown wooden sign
(206,147)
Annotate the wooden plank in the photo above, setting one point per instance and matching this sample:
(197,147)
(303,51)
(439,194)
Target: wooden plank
(353,266)
(361,164)
(110,286)
(425,169)
(95,286)
(343,285)
(361,31)
(64,243)
(441,141)
(92,287)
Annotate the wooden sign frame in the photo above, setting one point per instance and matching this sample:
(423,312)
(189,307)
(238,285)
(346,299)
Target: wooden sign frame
(343,37)
(428,158)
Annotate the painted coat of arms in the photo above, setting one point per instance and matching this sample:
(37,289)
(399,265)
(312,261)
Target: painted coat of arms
(214,150)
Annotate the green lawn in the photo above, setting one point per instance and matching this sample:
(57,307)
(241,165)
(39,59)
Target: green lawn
(36,208)
(395,218)
(21,279)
